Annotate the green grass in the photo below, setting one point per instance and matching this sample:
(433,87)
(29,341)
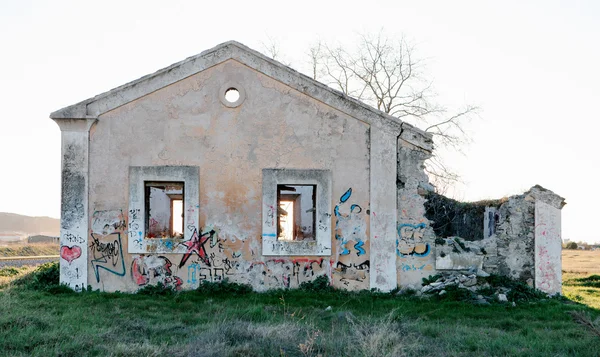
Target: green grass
(582,288)
(230,321)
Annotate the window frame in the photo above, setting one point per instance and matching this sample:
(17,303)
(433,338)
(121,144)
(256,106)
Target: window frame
(321,245)
(297,210)
(148,185)
(138,177)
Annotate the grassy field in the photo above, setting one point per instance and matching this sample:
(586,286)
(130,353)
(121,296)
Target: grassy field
(581,276)
(27,250)
(221,322)
(581,261)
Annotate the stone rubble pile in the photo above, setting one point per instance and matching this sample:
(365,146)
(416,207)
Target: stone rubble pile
(474,282)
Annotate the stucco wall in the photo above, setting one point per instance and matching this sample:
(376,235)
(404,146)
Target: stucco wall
(186,124)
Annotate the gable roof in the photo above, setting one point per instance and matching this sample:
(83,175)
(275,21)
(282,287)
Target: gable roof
(92,108)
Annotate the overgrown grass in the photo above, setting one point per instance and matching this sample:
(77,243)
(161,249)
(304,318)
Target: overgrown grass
(27,250)
(582,288)
(228,320)
(10,274)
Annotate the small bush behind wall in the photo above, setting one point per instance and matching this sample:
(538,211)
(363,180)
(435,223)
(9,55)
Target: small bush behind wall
(451,218)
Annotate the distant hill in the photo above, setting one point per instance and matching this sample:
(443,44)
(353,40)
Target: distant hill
(11,222)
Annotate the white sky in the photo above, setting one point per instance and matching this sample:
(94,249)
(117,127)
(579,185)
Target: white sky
(533,66)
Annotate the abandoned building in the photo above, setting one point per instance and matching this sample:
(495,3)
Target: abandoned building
(231,165)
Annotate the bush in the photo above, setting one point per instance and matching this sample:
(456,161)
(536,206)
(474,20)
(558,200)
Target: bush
(320,283)
(224,287)
(431,279)
(157,290)
(454,293)
(519,291)
(45,278)
(571,245)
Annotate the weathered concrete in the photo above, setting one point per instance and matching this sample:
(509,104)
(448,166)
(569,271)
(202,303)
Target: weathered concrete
(548,248)
(274,126)
(415,236)
(74,201)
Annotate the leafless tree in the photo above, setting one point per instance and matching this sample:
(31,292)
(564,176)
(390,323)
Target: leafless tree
(272,48)
(386,74)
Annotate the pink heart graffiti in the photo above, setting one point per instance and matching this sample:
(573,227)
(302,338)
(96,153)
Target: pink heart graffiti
(70,253)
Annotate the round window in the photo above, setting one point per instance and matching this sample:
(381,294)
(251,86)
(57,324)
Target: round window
(232,95)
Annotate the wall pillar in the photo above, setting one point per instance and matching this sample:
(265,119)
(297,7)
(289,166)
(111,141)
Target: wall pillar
(548,240)
(383,209)
(74,201)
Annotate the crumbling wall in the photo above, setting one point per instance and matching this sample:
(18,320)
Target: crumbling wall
(500,236)
(414,243)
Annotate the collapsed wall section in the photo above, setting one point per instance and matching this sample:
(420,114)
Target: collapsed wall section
(502,237)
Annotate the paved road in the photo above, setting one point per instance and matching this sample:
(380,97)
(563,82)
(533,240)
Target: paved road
(20,262)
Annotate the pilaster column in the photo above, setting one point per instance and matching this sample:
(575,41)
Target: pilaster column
(74,201)
(383,208)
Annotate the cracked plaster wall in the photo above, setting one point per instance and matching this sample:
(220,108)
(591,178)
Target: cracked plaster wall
(186,124)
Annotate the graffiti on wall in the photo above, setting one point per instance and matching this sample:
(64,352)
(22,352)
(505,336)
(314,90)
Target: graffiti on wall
(351,266)
(410,240)
(134,232)
(108,221)
(70,253)
(196,245)
(107,254)
(152,269)
(287,273)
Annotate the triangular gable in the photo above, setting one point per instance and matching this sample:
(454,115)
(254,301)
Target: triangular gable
(94,107)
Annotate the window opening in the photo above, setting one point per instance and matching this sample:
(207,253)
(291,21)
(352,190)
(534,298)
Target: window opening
(232,95)
(296,212)
(164,209)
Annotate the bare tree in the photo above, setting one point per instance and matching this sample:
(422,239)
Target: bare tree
(272,48)
(385,73)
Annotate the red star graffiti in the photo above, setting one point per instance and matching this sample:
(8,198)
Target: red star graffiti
(196,246)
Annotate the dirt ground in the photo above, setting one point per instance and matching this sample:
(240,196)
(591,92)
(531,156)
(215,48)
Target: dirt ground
(581,261)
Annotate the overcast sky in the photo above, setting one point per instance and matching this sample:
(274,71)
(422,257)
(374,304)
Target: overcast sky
(532,66)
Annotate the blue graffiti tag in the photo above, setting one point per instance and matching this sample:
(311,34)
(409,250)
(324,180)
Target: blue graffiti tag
(359,248)
(411,240)
(354,208)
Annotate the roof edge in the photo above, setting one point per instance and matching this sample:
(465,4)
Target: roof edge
(109,100)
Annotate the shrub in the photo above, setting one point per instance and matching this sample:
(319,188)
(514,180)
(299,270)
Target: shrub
(45,278)
(571,245)
(519,291)
(431,279)
(224,287)
(320,283)
(157,290)
(454,293)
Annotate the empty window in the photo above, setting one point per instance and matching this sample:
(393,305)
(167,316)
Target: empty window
(232,95)
(164,209)
(296,212)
